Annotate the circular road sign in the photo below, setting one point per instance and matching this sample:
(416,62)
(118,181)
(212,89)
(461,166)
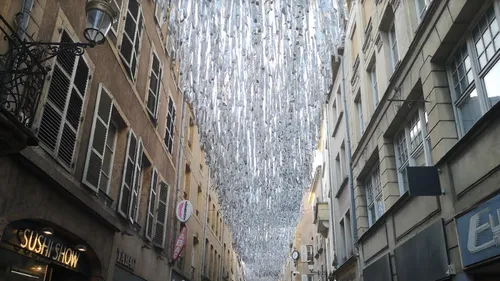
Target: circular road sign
(184,210)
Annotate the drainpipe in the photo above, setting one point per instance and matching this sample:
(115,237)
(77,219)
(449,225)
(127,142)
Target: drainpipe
(348,138)
(25,17)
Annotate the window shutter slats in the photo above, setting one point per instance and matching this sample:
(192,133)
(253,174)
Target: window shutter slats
(98,138)
(60,121)
(151,205)
(134,200)
(125,192)
(161,216)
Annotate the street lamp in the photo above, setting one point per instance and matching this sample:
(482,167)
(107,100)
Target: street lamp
(23,70)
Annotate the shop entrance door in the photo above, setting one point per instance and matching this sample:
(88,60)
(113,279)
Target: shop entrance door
(59,273)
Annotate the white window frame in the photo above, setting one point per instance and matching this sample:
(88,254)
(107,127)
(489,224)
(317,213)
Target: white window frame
(139,19)
(374,82)
(421,10)
(359,108)
(476,85)
(167,130)
(160,83)
(152,204)
(119,15)
(113,153)
(371,180)
(393,45)
(412,153)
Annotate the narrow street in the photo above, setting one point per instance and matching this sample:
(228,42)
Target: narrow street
(249,140)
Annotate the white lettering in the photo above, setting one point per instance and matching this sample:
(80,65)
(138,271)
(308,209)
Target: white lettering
(475,228)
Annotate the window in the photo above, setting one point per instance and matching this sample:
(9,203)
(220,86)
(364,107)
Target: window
(338,171)
(169,133)
(310,253)
(161,217)
(373,78)
(410,147)
(150,218)
(102,143)
(347,229)
(474,71)
(187,183)
(343,161)
(131,39)
(374,200)
(339,103)
(62,111)
(117,6)
(335,113)
(359,109)
(128,204)
(342,242)
(393,44)
(199,201)
(155,76)
(421,6)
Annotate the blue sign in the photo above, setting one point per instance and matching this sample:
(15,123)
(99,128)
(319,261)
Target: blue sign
(479,232)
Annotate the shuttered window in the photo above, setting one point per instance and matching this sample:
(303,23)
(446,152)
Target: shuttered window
(150,219)
(132,176)
(161,216)
(159,12)
(131,39)
(169,133)
(155,76)
(62,111)
(101,145)
(134,200)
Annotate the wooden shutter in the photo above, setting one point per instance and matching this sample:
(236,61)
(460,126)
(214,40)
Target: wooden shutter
(169,134)
(136,186)
(132,32)
(303,253)
(128,175)
(154,85)
(60,120)
(150,219)
(161,216)
(98,139)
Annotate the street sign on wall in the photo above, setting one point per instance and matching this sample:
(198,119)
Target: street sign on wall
(479,232)
(184,210)
(180,243)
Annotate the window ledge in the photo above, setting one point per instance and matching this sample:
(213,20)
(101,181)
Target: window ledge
(481,125)
(402,200)
(337,124)
(343,184)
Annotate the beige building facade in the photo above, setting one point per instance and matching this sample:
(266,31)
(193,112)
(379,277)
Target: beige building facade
(421,92)
(112,148)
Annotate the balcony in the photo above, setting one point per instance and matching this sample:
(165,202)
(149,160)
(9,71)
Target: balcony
(321,215)
(22,76)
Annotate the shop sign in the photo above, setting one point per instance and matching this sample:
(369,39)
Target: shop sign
(125,259)
(479,232)
(45,246)
(181,242)
(184,210)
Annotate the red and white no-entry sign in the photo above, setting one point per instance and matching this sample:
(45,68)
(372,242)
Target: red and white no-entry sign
(184,210)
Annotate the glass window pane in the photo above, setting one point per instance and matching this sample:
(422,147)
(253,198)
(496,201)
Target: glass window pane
(470,110)
(492,82)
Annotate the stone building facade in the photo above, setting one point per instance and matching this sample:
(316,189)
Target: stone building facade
(421,93)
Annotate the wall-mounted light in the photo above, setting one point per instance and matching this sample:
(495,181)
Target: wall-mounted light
(81,248)
(47,231)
